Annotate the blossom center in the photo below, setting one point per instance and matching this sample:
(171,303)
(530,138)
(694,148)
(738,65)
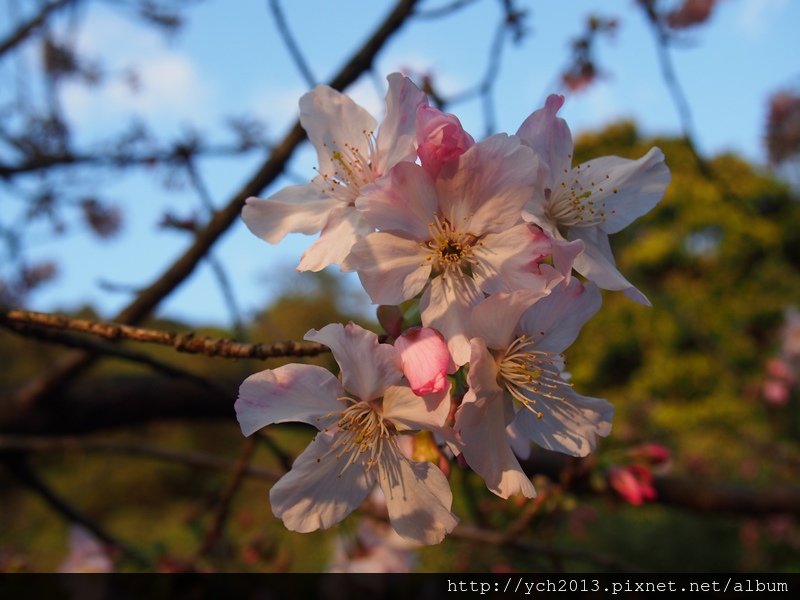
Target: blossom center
(528,374)
(572,204)
(449,250)
(351,169)
(362,435)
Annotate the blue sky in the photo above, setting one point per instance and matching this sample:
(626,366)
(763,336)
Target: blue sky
(227,63)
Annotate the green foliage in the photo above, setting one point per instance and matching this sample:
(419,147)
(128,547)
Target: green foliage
(718,259)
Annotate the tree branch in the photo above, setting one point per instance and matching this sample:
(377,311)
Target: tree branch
(181,342)
(110,350)
(24,30)
(291,45)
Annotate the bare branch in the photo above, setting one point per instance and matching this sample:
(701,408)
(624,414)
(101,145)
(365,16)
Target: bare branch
(291,45)
(23,31)
(175,155)
(110,350)
(224,505)
(181,342)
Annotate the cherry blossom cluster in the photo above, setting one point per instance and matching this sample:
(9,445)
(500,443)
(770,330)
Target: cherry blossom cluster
(478,242)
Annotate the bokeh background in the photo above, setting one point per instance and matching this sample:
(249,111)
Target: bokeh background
(128,128)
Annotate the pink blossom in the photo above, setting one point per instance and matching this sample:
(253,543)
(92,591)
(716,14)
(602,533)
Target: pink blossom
(426,360)
(86,553)
(516,387)
(360,418)
(592,200)
(350,157)
(633,482)
(776,391)
(376,548)
(454,238)
(440,138)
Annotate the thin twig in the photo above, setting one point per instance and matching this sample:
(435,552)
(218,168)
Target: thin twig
(23,31)
(291,45)
(442,11)
(224,505)
(216,266)
(674,87)
(181,342)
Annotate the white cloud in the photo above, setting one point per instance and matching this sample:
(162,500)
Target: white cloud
(169,86)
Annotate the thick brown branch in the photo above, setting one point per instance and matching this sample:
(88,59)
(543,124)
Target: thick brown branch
(74,364)
(182,342)
(104,348)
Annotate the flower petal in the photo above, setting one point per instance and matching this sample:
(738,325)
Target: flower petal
(334,123)
(396,139)
(404,201)
(509,261)
(293,392)
(597,264)
(418,498)
(624,189)
(485,189)
(446,305)
(549,137)
(391,268)
(316,493)
(294,209)
(367,367)
(401,406)
(481,422)
(495,319)
(569,425)
(520,445)
(344,227)
(554,322)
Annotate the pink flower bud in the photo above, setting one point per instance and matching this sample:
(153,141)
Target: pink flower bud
(426,360)
(776,392)
(440,138)
(633,483)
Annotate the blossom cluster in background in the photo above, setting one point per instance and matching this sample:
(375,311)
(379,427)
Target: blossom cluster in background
(470,249)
